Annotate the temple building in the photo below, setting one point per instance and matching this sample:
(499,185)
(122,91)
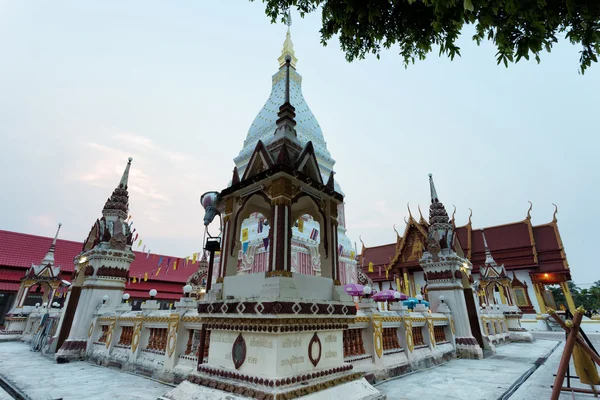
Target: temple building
(306,232)
(512,263)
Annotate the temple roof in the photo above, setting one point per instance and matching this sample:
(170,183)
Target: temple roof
(20,250)
(307,128)
(516,245)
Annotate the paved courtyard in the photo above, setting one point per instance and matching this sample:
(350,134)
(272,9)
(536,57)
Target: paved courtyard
(40,378)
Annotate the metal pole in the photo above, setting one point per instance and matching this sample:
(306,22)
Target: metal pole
(211,260)
(566,356)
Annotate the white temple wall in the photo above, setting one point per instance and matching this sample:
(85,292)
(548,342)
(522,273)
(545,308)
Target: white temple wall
(523,276)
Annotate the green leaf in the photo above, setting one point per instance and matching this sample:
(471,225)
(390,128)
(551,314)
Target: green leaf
(468,5)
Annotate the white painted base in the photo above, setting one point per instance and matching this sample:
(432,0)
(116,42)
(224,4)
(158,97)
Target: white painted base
(520,336)
(355,390)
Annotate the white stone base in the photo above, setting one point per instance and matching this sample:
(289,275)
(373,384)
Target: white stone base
(355,390)
(520,336)
(469,351)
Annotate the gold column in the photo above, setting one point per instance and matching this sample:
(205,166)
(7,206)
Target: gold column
(502,297)
(567,292)
(537,287)
(406,283)
(398,287)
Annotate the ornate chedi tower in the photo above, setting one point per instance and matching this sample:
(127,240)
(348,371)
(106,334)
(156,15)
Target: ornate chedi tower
(47,276)
(449,275)
(306,232)
(101,271)
(277,334)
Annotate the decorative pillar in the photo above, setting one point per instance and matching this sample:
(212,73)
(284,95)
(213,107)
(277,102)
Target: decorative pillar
(567,292)
(538,288)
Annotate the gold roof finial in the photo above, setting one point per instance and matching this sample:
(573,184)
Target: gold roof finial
(397,234)
(529,211)
(555,212)
(409,212)
(288,46)
(453,214)
(470,215)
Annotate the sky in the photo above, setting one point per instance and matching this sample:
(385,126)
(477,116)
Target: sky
(176,85)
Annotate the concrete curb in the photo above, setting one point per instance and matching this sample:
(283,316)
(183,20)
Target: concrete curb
(517,384)
(12,390)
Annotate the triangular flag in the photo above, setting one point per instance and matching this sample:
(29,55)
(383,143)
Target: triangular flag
(134,281)
(144,249)
(153,255)
(145,277)
(194,258)
(148,255)
(157,271)
(175,266)
(370,267)
(129,218)
(140,243)
(245,235)
(186,260)
(168,262)
(387,274)
(245,247)
(266,243)
(160,261)
(300,225)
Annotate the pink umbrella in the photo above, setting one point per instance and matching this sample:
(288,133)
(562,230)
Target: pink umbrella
(354,289)
(389,295)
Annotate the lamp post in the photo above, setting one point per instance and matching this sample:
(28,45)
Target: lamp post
(126,298)
(187,289)
(105,299)
(152,294)
(209,201)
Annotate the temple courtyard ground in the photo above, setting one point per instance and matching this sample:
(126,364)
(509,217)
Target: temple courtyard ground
(515,372)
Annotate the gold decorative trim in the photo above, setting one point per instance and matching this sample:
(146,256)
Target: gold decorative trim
(272,274)
(172,336)
(190,318)
(135,340)
(111,329)
(91,330)
(156,319)
(431,333)
(238,322)
(410,343)
(378,335)
(361,319)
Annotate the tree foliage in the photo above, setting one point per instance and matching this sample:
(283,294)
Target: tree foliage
(518,28)
(588,298)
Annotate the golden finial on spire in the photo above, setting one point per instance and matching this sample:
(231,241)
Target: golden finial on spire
(453,213)
(529,211)
(288,46)
(470,215)
(397,234)
(420,213)
(409,212)
(555,212)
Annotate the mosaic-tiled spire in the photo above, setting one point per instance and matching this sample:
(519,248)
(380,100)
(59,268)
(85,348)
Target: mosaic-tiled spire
(49,258)
(437,211)
(288,46)
(118,203)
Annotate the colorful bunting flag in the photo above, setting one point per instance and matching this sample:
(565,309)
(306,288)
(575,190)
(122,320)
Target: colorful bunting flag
(140,242)
(160,261)
(175,266)
(186,260)
(370,267)
(245,247)
(157,271)
(148,255)
(145,277)
(168,262)
(136,236)
(260,226)
(352,255)
(266,243)
(340,249)
(379,273)
(144,249)
(129,218)
(134,281)
(314,234)
(300,225)
(194,258)
(245,235)
(387,274)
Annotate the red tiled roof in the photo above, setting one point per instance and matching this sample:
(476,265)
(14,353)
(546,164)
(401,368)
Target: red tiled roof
(9,287)
(20,250)
(379,255)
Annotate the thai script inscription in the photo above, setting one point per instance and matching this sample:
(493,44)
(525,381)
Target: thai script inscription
(292,360)
(262,342)
(330,338)
(331,354)
(297,342)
